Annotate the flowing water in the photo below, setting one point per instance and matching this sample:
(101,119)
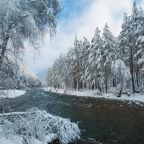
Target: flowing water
(110,122)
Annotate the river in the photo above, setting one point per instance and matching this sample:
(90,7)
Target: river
(110,122)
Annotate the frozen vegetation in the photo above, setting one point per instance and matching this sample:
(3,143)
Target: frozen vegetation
(23,24)
(36,127)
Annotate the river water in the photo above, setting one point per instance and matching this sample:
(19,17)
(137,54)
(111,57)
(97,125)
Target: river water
(110,122)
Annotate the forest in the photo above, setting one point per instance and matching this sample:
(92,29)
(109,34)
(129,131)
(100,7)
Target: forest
(106,61)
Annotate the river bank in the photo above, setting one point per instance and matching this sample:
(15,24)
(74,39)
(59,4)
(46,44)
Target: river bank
(137,98)
(11,93)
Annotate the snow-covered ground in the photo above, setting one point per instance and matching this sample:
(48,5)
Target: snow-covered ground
(11,93)
(36,127)
(138,98)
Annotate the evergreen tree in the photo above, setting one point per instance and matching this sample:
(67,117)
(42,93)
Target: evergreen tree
(109,53)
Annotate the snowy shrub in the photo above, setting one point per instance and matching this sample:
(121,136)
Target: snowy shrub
(37,126)
(119,69)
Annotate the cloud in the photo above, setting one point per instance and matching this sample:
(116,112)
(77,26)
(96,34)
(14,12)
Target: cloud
(82,23)
(100,12)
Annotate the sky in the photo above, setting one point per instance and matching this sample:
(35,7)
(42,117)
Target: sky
(78,17)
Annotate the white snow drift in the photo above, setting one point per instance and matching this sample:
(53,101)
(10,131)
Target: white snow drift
(138,98)
(36,127)
(11,93)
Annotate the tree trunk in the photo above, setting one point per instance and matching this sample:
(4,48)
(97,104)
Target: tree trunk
(137,76)
(3,50)
(77,87)
(132,68)
(106,80)
(99,87)
(114,82)
(106,85)
(121,89)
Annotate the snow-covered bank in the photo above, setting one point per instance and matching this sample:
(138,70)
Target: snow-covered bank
(138,98)
(11,93)
(36,127)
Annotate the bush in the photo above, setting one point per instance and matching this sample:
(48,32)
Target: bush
(36,125)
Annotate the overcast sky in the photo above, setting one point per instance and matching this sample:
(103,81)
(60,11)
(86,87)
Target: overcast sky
(79,17)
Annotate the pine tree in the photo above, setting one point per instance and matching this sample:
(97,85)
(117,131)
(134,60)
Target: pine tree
(85,48)
(109,53)
(95,59)
(131,41)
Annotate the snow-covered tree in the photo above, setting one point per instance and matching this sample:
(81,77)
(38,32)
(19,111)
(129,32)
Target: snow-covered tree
(132,42)
(95,63)
(24,20)
(107,61)
(85,50)
(109,53)
(121,72)
(76,63)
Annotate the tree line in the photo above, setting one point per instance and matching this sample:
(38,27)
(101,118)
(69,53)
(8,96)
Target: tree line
(106,61)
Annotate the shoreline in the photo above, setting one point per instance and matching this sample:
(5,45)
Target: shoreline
(137,98)
(12,93)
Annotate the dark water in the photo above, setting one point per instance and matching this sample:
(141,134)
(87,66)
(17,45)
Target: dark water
(110,122)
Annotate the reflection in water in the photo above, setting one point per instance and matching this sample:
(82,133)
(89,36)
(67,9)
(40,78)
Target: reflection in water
(110,122)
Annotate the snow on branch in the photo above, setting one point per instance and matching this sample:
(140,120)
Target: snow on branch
(36,125)
(119,68)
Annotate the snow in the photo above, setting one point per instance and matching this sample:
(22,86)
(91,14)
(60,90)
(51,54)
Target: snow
(35,141)
(71,92)
(141,60)
(138,98)
(11,140)
(36,127)
(119,68)
(11,93)
(25,70)
(50,137)
(141,39)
